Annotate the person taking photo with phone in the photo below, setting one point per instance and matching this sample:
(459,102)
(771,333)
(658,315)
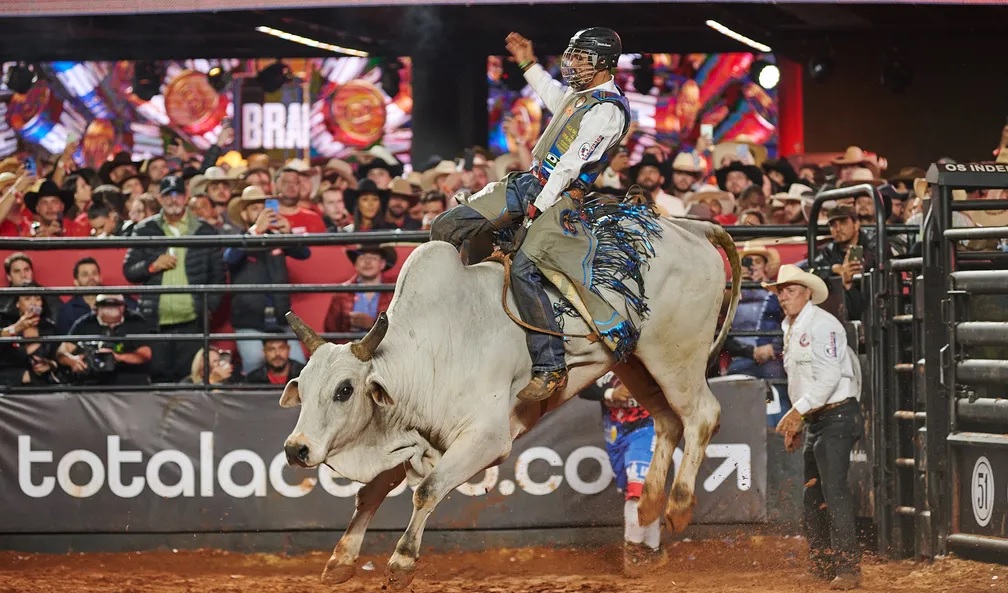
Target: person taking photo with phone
(27,362)
(258,214)
(849,254)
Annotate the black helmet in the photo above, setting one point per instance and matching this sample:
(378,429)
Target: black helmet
(603,42)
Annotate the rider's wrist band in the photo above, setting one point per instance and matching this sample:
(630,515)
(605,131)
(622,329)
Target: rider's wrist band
(526,65)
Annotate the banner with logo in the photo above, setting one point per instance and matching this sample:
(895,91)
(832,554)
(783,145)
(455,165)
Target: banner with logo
(150,462)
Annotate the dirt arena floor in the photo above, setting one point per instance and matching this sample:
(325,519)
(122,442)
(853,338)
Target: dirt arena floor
(729,565)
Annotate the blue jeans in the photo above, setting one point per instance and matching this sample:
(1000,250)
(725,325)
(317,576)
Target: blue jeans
(462,223)
(251,351)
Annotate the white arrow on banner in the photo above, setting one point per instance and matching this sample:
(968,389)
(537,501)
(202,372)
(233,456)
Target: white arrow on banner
(736,457)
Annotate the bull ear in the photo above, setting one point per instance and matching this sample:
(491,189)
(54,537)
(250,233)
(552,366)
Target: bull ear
(379,395)
(291,396)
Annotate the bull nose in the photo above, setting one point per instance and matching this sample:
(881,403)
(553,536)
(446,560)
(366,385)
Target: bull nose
(297,454)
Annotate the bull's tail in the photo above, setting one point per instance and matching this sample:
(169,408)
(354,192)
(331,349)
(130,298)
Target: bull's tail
(720,238)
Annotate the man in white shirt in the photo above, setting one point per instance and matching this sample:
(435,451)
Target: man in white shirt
(824,382)
(590,118)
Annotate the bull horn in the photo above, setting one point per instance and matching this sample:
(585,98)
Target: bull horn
(365,349)
(304,333)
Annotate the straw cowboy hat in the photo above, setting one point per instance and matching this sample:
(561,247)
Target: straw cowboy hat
(687,162)
(771,255)
(862,175)
(747,152)
(443,168)
(854,155)
(796,193)
(504,164)
(250,195)
(792,274)
(706,193)
(402,188)
(232,158)
(341,169)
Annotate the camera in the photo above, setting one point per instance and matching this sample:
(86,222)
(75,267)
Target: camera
(99,363)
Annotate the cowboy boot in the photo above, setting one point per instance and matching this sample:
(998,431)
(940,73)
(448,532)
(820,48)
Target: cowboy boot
(543,385)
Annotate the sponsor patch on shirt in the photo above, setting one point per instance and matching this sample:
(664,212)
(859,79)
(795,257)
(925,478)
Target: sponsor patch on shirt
(831,346)
(587,149)
(804,340)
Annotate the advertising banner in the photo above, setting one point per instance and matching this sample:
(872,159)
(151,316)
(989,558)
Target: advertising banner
(192,462)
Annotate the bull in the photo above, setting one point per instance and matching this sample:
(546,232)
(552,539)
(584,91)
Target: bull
(430,393)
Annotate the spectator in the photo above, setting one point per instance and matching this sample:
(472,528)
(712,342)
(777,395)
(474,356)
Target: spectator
(752,217)
(368,204)
(117,169)
(27,362)
(20,272)
(278,367)
(401,199)
(142,208)
(811,174)
(380,172)
(795,204)
(174,266)
(834,259)
(736,177)
(49,203)
(108,362)
(221,369)
(259,311)
(259,177)
(334,211)
(104,221)
(86,273)
(720,203)
(80,188)
(156,168)
(289,190)
(434,203)
(134,185)
(781,174)
(357,311)
(651,174)
(758,310)
(339,174)
(11,187)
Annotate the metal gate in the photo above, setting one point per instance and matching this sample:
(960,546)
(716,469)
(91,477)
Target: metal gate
(940,427)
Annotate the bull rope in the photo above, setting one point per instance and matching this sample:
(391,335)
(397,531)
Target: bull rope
(505,260)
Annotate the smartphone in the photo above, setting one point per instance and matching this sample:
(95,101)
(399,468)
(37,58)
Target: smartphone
(856,253)
(35,310)
(273,204)
(31,166)
(707,130)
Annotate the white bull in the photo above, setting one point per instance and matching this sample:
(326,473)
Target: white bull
(430,393)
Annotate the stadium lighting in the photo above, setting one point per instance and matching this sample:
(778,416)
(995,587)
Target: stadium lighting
(311,42)
(738,36)
(766,74)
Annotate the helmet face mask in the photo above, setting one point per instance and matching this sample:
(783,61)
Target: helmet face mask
(577,66)
(590,50)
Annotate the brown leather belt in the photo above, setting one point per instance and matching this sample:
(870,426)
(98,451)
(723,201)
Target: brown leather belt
(820,411)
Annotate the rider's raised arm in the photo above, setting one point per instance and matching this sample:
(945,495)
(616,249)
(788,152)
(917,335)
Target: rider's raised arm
(549,89)
(601,127)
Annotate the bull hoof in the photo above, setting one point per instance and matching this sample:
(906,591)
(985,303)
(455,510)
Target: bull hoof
(679,519)
(640,561)
(337,572)
(400,572)
(648,509)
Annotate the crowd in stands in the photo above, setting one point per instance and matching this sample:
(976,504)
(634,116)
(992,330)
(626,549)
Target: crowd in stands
(218,193)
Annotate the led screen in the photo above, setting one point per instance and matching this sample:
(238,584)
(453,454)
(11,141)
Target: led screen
(315,107)
(687,91)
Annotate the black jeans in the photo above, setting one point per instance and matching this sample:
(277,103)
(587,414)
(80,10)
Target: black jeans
(828,516)
(172,361)
(462,222)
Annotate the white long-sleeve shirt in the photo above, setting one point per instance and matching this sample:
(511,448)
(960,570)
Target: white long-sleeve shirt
(600,129)
(817,360)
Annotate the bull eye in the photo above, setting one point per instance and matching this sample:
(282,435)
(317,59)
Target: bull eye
(343,391)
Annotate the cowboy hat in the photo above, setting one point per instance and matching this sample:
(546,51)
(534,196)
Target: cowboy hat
(907,175)
(707,193)
(687,162)
(376,152)
(250,195)
(443,168)
(796,193)
(854,155)
(784,167)
(771,255)
(504,164)
(840,211)
(752,172)
(649,160)
(366,186)
(232,158)
(387,252)
(861,175)
(402,188)
(792,274)
(121,159)
(48,189)
(341,169)
(298,166)
(6,180)
(740,150)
